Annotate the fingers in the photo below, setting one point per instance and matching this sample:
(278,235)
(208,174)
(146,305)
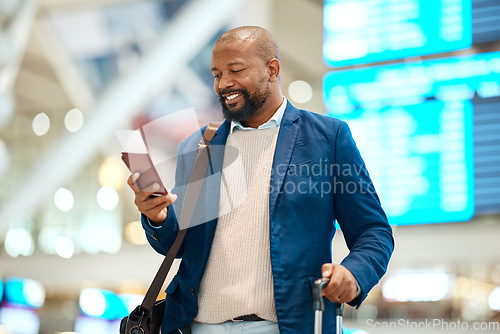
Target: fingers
(326,270)
(131,182)
(332,290)
(143,193)
(154,207)
(146,203)
(342,287)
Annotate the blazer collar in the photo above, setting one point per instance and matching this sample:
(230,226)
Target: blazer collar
(217,147)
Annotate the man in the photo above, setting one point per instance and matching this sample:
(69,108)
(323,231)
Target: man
(286,176)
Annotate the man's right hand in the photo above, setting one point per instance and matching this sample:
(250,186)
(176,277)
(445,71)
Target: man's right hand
(155,207)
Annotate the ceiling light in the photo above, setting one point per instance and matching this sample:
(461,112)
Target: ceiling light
(107,198)
(73,120)
(41,124)
(64,199)
(64,247)
(18,241)
(300,91)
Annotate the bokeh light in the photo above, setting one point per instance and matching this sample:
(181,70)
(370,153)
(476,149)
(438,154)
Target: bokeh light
(300,91)
(41,124)
(63,199)
(24,292)
(64,247)
(107,198)
(415,287)
(494,299)
(112,172)
(92,302)
(135,233)
(18,241)
(73,120)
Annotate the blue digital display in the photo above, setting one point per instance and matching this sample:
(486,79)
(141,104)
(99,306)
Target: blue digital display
(366,31)
(1,290)
(24,292)
(413,124)
(485,18)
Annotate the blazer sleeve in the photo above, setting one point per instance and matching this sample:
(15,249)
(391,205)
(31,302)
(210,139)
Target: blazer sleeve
(359,213)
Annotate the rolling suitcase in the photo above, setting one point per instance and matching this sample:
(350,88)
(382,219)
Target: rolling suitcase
(319,306)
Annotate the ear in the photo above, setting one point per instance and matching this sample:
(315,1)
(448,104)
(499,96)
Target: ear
(273,67)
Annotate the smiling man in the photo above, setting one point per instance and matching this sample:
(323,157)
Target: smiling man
(286,176)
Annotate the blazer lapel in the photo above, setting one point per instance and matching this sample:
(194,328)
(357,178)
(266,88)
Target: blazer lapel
(284,147)
(217,146)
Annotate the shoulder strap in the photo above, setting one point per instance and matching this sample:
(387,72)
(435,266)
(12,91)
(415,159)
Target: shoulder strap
(210,132)
(191,197)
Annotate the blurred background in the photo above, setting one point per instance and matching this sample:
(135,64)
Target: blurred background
(417,81)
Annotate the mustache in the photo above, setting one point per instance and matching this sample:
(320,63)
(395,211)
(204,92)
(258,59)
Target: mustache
(229,91)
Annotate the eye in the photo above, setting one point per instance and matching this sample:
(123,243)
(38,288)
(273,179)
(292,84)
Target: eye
(217,76)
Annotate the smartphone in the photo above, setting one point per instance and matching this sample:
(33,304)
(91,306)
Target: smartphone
(141,163)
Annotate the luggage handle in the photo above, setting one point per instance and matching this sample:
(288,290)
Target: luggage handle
(319,306)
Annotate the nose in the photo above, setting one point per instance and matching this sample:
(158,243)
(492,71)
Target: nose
(225,82)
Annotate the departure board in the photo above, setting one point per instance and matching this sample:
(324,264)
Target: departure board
(413,124)
(365,31)
(485,21)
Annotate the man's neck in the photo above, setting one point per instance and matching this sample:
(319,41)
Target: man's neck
(264,114)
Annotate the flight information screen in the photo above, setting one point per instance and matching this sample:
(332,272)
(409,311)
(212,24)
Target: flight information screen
(429,133)
(365,31)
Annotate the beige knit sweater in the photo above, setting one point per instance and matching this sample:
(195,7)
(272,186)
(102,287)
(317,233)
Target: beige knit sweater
(238,278)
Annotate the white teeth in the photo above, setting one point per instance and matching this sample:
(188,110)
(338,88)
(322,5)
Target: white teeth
(231,97)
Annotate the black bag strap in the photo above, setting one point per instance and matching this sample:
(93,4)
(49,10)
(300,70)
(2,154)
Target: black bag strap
(192,194)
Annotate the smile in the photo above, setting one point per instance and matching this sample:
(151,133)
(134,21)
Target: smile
(232,97)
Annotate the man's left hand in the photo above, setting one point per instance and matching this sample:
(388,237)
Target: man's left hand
(342,287)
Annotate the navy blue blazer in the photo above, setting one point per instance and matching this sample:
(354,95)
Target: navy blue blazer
(318,177)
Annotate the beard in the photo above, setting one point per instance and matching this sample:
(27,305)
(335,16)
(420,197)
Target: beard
(252,103)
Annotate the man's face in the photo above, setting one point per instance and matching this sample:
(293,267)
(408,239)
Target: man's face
(241,80)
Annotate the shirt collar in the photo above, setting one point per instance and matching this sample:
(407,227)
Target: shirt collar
(273,122)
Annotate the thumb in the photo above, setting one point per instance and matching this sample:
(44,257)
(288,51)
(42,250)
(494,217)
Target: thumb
(327,270)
